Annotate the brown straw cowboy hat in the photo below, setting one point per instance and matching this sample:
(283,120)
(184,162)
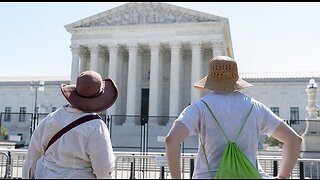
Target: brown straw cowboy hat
(223,76)
(91,93)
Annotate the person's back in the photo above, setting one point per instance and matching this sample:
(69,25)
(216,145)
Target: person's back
(73,142)
(230,108)
(76,152)
(230,111)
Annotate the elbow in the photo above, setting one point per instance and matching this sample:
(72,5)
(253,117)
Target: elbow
(168,139)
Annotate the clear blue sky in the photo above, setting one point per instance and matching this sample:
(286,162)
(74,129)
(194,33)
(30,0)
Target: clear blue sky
(266,36)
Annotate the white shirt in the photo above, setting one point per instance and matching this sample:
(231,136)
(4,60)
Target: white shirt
(230,111)
(83,152)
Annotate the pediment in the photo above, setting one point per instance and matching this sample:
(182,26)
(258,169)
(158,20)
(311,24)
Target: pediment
(145,13)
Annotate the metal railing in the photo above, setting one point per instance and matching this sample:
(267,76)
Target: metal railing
(133,165)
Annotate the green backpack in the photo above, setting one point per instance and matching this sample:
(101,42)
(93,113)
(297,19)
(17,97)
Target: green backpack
(234,163)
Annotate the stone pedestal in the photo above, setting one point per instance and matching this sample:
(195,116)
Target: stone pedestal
(310,146)
(311,137)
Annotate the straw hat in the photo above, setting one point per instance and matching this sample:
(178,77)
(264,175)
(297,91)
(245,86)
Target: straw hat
(223,76)
(91,93)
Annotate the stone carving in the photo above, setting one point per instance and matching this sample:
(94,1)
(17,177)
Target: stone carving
(145,13)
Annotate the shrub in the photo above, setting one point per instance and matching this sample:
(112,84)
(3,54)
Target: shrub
(272,141)
(3,131)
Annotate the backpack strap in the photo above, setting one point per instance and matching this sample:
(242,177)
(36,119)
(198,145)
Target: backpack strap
(70,126)
(214,117)
(204,151)
(206,158)
(220,125)
(244,122)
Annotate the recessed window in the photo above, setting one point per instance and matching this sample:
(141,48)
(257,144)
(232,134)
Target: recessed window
(22,114)
(294,115)
(275,110)
(7,114)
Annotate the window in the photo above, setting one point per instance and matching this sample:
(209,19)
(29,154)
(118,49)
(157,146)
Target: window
(294,115)
(22,114)
(7,114)
(275,110)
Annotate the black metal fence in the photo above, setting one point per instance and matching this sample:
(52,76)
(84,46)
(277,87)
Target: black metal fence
(146,132)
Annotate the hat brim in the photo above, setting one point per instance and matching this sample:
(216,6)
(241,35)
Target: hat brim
(224,86)
(96,104)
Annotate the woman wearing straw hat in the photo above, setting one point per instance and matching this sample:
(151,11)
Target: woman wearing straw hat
(230,107)
(73,141)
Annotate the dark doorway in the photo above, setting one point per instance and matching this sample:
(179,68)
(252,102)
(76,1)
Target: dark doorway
(145,103)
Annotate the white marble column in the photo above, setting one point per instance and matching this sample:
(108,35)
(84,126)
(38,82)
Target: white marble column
(132,80)
(218,49)
(101,61)
(94,56)
(113,70)
(175,79)
(84,58)
(196,70)
(75,63)
(154,80)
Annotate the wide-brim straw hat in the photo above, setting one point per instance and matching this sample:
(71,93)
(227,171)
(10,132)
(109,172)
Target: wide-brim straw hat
(222,76)
(91,93)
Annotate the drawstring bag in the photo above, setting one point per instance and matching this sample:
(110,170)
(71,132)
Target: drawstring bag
(234,163)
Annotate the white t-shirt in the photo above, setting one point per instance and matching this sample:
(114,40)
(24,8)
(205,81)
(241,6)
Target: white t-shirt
(85,151)
(230,111)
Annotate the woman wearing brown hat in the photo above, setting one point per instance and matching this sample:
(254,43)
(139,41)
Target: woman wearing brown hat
(235,112)
(73,142)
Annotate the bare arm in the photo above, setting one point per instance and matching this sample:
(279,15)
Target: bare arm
(290,151)
(178,133)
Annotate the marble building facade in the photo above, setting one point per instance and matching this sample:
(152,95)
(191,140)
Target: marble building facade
(148,49)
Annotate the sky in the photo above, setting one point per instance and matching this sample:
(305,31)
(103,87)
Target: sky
(266,36)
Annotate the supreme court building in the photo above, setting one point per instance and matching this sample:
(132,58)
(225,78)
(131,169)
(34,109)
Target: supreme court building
(154,52)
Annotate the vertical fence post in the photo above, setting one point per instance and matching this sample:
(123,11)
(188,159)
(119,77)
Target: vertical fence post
(8,169)
(191,168)
(275,168)
(301,170)
(132,169)
(31,123)
(162,172)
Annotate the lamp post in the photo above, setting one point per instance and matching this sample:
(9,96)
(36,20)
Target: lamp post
(35,87)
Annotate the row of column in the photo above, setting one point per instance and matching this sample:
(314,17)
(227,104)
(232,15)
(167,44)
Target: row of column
(96,55)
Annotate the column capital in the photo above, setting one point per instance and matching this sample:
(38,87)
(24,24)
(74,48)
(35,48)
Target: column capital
(216,44)
(84,52)
(175,45)
(113,46)
(154,46)
(94,48)
(195,45)
(75,48)
(132,45)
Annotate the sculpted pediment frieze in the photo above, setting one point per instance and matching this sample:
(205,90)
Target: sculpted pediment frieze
(147,13)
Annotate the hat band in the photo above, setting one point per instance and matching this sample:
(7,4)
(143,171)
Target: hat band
(93,96)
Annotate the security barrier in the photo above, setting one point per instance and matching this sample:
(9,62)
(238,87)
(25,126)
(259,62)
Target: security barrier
(132,165)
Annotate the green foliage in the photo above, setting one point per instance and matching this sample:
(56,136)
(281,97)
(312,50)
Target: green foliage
(3,131)
(272,141)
